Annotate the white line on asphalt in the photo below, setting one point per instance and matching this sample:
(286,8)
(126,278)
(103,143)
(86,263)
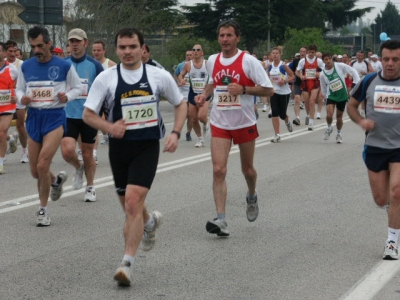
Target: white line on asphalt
(368,286)
(30,200)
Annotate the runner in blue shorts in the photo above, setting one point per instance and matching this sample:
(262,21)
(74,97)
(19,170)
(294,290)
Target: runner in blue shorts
(42,86)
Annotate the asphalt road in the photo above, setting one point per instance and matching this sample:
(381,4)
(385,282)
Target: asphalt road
(318,236)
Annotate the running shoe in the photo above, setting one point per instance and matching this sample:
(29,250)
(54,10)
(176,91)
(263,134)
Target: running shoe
(199,144)
(252,209)
(218,227)
(206,130)
(2,170)
(42,218)
(289,126)
(123,275)
(104,140)
(79,153)
(90,194)
(149,236)
(296,121)
(276,139)
(188,137)
(24,156)
(327,133)
(77,180)
(302,106)
(391,252)
(310,127)
(318,116)
(270,114)
(339,139)
(13,143)
(56,191)
(307,120)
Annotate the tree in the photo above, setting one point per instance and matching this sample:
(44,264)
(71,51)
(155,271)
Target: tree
(387,21)
(341,12)
(295,39)
(253,17)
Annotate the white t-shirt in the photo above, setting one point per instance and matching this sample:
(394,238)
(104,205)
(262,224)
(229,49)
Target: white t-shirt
(105,84)
(302,62)
(244,117)
(342,69)
(377,66)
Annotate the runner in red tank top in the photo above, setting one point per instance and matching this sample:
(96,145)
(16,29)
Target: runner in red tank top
(8,76)
(236,78)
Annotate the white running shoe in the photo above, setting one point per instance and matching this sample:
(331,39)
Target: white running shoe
(104,140)
(56,191)
(327,134)
(42,218)
(318,116)
(149,236)
(13,143)
(206,130)
(276,139)
(289,127)
(391,251)
(339,139)
(2,170)
(79,153)
(218,227)
(77,180)
(199,144)
(123,275)
(90,194)
(24,156)
(310,127)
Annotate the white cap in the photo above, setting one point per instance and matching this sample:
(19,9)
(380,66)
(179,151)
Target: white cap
(297,54)
(339,56)
(374,56)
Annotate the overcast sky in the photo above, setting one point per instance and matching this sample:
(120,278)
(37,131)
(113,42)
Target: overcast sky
(377,4)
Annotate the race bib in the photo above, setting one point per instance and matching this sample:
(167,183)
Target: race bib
(311,73)
(85,87)
(275,78)
(387,99)
(335,85)
(41,92)
(5,97)
(225,100)
(198,85)
(139,112)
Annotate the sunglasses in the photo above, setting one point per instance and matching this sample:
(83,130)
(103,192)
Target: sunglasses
(196,49)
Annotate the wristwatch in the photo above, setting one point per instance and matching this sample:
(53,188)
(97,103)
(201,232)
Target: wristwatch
(177,133)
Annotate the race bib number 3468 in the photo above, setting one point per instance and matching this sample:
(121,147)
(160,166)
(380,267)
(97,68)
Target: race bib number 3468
(139,112)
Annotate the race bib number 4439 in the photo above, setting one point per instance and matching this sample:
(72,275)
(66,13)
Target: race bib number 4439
(139,112)
(387,99)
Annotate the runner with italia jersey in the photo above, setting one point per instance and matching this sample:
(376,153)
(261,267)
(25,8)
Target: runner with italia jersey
(236,78)
(8,77)
(42,86)
(333,87)
(198,77)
